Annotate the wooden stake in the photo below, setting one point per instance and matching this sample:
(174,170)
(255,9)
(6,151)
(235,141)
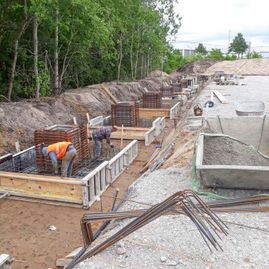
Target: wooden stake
(17,146)
(88,117)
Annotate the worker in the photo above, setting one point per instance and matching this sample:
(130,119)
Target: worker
(98,135)
(62,151)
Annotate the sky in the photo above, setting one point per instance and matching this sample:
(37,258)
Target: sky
(214,23)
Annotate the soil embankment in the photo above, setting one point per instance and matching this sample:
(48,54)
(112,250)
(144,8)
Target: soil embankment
(19,120)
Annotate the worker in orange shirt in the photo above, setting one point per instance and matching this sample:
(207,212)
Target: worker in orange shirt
(64,151)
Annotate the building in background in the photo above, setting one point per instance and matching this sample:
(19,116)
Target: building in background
(187,52)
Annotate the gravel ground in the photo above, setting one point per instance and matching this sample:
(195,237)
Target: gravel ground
(174,242)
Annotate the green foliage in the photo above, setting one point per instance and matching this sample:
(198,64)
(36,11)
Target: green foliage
(215,54)
(45,89)
(91,36)
(201,49)
(230,57)
(238,45)
(254,55)
(174,61)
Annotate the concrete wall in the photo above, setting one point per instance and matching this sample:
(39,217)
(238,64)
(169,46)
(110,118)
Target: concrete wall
(251,130)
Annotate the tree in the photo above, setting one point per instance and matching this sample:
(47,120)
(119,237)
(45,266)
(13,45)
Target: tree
(79,42)
(201,49)
(254,55)
(174,61)
(238,45)
(215,54)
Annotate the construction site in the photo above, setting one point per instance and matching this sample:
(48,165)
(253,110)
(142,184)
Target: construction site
(185,185)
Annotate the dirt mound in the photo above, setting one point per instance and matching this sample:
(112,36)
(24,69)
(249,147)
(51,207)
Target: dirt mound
(242,67)
(157,73)
(19,120)
(196,67)
(227,151)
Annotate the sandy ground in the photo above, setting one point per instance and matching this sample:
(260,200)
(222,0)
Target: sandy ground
(243,67)
(24,230)
(173,241)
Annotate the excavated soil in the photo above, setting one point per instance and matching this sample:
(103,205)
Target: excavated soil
(19,120)
(226,151)
(196,67)
(247,67)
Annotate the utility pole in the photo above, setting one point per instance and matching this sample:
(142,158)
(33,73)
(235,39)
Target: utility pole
(229,40)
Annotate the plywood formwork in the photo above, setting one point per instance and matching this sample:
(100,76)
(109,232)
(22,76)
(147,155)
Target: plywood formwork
(42,187)
(171,113)
(72,191)
(146,113)
(137,133)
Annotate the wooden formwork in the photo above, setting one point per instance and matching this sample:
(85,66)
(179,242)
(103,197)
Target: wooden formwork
(137,133)
(171,113)
(42,187)
(73,191)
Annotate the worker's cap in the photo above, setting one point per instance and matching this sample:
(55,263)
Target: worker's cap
(114,128)
(44,151)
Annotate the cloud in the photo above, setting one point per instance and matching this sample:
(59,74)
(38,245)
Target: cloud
(211,21)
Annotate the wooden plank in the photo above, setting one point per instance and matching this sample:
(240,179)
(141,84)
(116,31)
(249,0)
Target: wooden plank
(141,129)
(153,113)
(33,177)
(113,98)
(54,189)
(221,98)
(129,133)
(44,200)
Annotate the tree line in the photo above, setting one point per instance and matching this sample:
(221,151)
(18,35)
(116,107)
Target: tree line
(50,45)
(237,49)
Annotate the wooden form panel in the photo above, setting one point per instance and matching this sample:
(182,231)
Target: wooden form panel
(130,133)
(146,113)
(44,187)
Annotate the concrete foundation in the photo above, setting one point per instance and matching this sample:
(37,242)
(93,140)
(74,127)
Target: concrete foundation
(229,176)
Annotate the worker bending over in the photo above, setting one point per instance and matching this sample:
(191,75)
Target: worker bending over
(64,151)
(98,135)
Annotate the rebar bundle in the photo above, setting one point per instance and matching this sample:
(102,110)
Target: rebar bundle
(207,222)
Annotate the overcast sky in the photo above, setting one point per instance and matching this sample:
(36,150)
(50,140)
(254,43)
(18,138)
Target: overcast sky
(213,22)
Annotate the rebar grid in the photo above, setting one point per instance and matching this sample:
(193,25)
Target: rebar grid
(124,114)
(77,135)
